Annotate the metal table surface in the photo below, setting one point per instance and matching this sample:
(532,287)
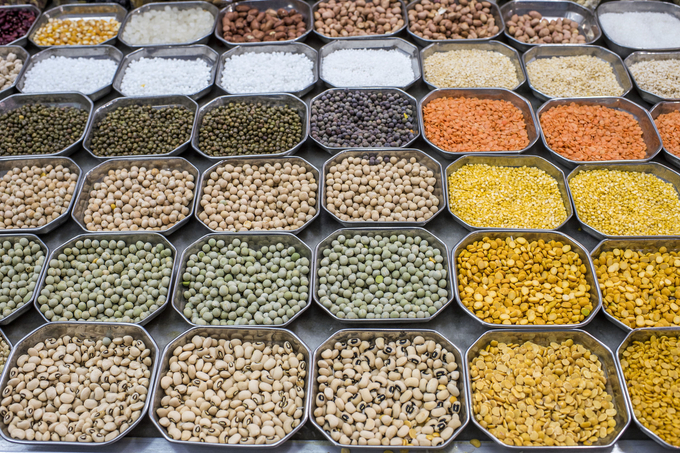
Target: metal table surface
(314,326)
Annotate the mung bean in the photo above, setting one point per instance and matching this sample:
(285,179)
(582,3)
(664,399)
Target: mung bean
(20,266)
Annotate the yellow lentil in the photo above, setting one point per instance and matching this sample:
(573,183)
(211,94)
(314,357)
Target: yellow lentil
(506,197)
(476,443)
(514,281)
(534,395)
(70,32)
(652,370)
(640,289)
(626,203)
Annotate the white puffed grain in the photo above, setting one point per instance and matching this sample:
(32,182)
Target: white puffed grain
(164,76)
(168,26)
(56,73)
(267,72)
(367,67)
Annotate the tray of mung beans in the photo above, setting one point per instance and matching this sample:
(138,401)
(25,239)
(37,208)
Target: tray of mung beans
(156,126)
(382,187)
(117,360)
(604,129)
(216,274)
(525,279)
(22,262)
(638,280)
(666,116)
(648,362)
(417,373)
(274,365)
(159,195)
(120,277)
(525,192)
(382,275)
(536,389)
(626,200)
(279,194)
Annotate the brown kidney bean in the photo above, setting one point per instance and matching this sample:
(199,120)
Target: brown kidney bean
(532,28)
(247,24)
(358,18)
(448,19)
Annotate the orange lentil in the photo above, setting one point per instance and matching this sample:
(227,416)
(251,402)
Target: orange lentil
(470,124)
(593,132)
(669,129)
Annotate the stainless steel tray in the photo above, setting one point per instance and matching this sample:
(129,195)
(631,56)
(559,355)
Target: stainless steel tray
(300,6)
(660,109)
(649,245)
(22,55)
(14,238)
(660,171)
(196,52)
(649,133)
(334,149)
(574,50)
(181,6)
(498,94)
(254,240)
(326,39)
(24,39)
(92,331)
(637,57)
(495,12)
(433,240)
(270,100)
(98,173)
(292,47)
(635,7)
(400,153)
(509,161)
(345,335)
(128,237)
(530,235)
(103,11)
(260,161)
(154,101)
(398,44)
(551,10)
(491,46)
(101,52)
(643,335)
(8,164)
(76,100)
(543,337)
(268,335)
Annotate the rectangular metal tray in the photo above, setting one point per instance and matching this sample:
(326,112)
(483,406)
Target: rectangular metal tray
(326,39)
(92,331)
(268,335)
(254,240)
(101,52)
(99,172)
(154,101)
(660,109)
(260,161)
(640,56)
(25,58)
(433,240)
(128,237)
(649,133)
(612,373)
(400,153)
(24,39)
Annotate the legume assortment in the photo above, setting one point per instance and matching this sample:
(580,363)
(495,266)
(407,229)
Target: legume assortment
(451,19)
(255,72)
(592,132)
(276,196)
(491,196)
(626,203)
(170,25)
(381,188)
(668,125)
(231,283)
(415,403)
(470,68)
(10,66)
(638,286)
(515,281)
(76,32)
(463,125)
(559,404)
(387,275)
(533,28)
(661,77)
(89,377)
(165,76)
(264,398)
(107,281)
(249,24)
(651,371)
(575,76)
(56,73)
(15,23)
(343,18)
(20,266)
